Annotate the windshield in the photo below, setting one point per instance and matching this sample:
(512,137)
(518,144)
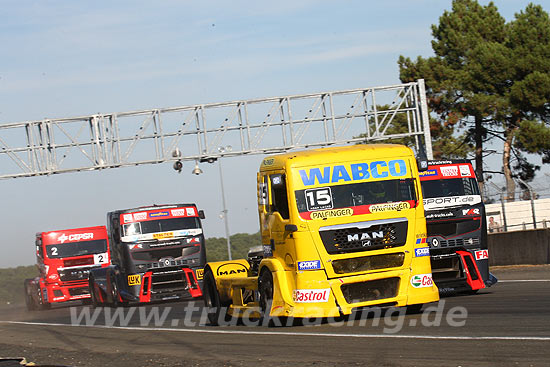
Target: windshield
(449,187)
(365,193)
(70,249)
(164,225)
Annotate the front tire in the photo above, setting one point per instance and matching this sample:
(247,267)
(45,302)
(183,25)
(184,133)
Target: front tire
(94,299)
(114,292)
(29,300)
(414,309)
(216,309)
(265,288)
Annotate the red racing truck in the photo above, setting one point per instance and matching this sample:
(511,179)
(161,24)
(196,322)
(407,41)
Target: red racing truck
(157,254)
(457,228)
(64,260)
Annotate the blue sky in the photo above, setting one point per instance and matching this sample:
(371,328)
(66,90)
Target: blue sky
(74,58)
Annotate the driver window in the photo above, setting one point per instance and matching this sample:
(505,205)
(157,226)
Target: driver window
(279,195)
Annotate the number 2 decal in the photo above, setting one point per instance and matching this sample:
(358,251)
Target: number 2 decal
(100,258)
(54,251)
(317,199)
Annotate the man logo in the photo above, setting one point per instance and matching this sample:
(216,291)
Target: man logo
(231,269)
(365,237)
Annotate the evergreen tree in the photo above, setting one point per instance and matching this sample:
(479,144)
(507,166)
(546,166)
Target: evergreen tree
(492,78)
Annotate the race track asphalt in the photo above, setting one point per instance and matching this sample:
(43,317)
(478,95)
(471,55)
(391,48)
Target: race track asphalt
(505,325)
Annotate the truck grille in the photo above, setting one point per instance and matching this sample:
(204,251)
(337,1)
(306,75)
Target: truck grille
(160,253)
(78,291)
(452,228)
(364,236)
(72,274)
(366,263)
(371,290)
(168,280)
(459,242)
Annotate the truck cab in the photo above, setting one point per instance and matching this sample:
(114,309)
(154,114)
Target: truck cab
(157,252)
(457,228)
(342,228)
(64,259)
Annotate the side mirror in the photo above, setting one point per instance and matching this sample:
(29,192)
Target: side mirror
(201,214)
(422,164)
(291,228)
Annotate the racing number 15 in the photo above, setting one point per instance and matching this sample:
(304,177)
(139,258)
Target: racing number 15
(318,199)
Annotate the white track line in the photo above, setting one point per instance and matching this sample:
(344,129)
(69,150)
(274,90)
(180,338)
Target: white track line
(523,280)
(288,333)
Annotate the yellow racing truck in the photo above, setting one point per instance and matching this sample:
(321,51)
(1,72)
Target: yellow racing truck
(342,228)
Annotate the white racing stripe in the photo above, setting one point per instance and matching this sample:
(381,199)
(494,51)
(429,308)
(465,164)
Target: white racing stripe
(288,333)
(523,280)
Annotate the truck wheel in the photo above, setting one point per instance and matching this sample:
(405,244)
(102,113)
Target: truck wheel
(414,309)
(265,288)
(45,305)
(29,301)
(114,292)
(212,301)
(94,299)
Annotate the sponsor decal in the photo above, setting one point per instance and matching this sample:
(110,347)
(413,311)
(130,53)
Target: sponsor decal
(353,172)
(134,279)
(437,163)
(159,214)
(448,201)
(101,258)
(132,246)
(162,235)
(428,173)
(190,212)
(199,273)
(140,216)
(481,254)
(231,269)
(127,218)
(334,213)
(420,240)
(423,251)
(311,295)
(439,215)
(464,170)
(178,212)
(75,237)
(268,162)
(474,211)
(53,276)
(378,208)
(309,265)
(422,280)
(449,171)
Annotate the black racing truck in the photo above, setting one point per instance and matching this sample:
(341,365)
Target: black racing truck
(457,227)
(157,254)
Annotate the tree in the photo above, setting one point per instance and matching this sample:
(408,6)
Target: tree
(493,79)
(454,91)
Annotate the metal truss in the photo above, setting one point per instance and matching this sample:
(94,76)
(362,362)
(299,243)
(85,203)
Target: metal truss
(257,126)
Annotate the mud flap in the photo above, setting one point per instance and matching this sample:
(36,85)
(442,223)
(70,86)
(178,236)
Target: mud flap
(473,276)
(194,288)
(145,289)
